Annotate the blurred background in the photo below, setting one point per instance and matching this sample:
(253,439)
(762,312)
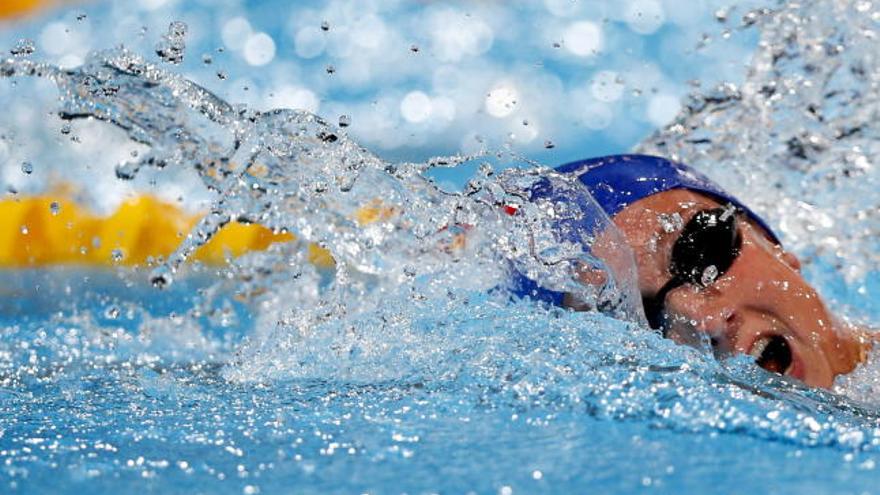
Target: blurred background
(554,80)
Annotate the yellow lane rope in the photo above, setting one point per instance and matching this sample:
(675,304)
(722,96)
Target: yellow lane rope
(46,230)
(13,8)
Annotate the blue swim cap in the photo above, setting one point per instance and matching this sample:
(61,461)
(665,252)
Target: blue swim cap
(617,181)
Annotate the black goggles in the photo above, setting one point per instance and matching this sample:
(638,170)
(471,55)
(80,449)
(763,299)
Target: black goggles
(708,245)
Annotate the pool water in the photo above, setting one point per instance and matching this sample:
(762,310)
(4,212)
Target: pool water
(404,369)
(105,398)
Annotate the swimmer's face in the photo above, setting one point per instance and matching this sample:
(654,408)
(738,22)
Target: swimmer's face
(759,305)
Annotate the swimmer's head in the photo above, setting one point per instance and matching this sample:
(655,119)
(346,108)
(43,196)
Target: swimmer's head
(707,265)
(618,181)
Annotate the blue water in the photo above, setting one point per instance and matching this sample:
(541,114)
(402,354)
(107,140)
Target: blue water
(109,385)
(514,398)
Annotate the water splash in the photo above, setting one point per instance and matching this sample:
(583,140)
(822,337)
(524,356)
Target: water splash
(292,171)
(408,320)
(799,136)
(173,45)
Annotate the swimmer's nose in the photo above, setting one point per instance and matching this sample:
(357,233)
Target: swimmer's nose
(702,327)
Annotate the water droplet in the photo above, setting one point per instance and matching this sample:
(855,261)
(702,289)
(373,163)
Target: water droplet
(207,59)
(328,137)
(173,44)
(161,277)
(549,144)
(81,16)
(729,210)
(709,275)
(127,170)
(330,69)
(65,129)
(670,222)
(54,208)
(116,255)
(23,48)
(414,48)
(112,312)
(27,168)
(325,26)
(221,74)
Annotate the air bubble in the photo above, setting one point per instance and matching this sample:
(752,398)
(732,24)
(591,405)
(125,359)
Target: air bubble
(116,255)
(549,144)
(344,120)
(330,69)
(325,26)
(27,168)
(54,208)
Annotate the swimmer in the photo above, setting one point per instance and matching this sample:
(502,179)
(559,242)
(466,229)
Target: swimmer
(709,265)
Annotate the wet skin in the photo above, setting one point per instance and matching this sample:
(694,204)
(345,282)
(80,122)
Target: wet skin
(760,306)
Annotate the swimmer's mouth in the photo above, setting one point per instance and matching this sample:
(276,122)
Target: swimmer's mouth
(773,353)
